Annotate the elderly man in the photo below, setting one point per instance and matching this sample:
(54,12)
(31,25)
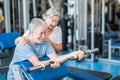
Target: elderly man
(39,48)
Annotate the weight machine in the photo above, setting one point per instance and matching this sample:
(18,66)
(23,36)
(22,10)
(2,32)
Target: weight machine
(49,73)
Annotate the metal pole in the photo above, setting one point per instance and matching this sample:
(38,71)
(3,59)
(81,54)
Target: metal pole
(13,14)
(19,16)
(7,15)
(85,21)
(34,8)
(75,23)
(103,22)
(103,17)
(92,27)
(25,15)
(50,3)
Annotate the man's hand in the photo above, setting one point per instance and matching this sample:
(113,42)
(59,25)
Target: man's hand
(55,65)
(51,63)
(77,55)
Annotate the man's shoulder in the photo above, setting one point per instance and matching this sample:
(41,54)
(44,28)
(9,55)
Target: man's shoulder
(45,43)
(21,45)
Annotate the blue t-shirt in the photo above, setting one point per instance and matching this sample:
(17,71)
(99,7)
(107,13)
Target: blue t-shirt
(24,52)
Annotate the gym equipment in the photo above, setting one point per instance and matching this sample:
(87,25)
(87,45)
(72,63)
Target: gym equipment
(6,45)
(112,43)
(50,73)
(86,52)
(80,75)
(76,73)
(38,67)
(6,42)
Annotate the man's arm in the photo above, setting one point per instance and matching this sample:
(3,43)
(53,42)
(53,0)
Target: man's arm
(62,58)
(35,61)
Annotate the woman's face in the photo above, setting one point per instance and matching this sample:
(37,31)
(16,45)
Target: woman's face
(52,21)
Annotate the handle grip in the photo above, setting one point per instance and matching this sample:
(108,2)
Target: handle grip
(38,67)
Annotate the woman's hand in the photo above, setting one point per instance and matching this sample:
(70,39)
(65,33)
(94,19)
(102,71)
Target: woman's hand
(48,32)
(21,39)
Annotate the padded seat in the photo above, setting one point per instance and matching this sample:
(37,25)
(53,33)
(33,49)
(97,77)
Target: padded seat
(115,44)
(48,74)
(93,74)
(6,42)
(63,71)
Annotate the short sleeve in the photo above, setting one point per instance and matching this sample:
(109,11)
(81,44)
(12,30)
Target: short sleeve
(23,52)
(59,36)
(49,49)
(56,36)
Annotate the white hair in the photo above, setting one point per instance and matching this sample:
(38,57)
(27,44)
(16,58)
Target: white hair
(35,23)
(51,12)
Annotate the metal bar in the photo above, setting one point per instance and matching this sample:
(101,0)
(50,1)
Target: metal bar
(92,27)
(34,8)
(25,15)
(50,3)
(103,17)
(13,15)
(19,16)
(75,24)
(7,15)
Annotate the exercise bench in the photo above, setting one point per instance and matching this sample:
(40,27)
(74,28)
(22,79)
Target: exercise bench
(112,44)
(6,43)
(20,71)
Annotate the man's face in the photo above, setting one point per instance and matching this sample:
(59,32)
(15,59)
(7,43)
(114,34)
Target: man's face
(52,22)
(39,35)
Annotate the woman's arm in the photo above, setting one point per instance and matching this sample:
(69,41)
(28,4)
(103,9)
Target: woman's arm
(57,47)
(57,41)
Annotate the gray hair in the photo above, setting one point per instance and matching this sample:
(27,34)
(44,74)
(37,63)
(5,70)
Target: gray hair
(51,12)
(35,23)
